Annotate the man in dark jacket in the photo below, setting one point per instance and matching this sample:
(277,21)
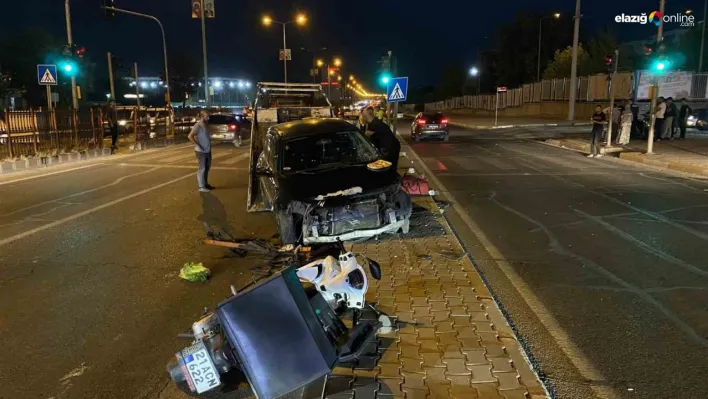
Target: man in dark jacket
(684,113)
(382,137)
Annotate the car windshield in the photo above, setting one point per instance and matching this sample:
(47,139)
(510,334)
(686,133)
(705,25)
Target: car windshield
(221,119)
(326,150)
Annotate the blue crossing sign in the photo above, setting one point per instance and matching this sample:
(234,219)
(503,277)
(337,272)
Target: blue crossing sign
(397,90)
(47,75)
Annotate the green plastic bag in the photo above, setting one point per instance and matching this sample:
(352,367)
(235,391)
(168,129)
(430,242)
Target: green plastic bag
(194,272)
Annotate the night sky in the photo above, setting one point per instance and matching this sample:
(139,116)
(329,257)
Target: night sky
(426,35)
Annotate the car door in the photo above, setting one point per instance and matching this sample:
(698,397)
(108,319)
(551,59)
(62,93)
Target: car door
(266,163)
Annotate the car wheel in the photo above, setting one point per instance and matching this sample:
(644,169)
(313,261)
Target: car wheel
(286,227)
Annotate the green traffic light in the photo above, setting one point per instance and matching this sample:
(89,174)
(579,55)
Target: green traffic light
(660,66)
(385,79)
(69,67)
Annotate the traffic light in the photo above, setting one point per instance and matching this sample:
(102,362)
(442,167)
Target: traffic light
(109,13)
(384,79)
(610,64)
(660,65)
(79,51)
(659,59)
(68,67)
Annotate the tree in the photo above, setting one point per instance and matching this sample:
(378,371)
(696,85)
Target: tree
(601,45)
(517,46)
(562,62)
(452,81)
(19,56)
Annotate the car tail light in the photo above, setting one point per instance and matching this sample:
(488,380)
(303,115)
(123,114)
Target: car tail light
(443,121)
(422,122)
(232,127)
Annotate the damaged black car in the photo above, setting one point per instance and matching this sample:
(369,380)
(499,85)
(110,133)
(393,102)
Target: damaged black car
(326,182)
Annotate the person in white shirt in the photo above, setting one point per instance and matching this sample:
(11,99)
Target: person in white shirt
(659,115)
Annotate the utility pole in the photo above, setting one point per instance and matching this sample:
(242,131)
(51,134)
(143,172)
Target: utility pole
(574,64)
(285,56)
(67,12)
(395,105)
(110,77)
(388,104)
(204,57)
(137,86)
(164,44)
(703,37)
(611,91)
(655,86)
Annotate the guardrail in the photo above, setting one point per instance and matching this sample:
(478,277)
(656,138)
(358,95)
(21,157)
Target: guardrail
(33,133)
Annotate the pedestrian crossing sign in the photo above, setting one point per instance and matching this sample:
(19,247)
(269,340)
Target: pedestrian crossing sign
(397,90)
(47,75)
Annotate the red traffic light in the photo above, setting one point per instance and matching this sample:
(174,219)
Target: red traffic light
(608,60)
(80,51)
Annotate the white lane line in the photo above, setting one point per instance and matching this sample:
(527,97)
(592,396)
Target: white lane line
(236,159)
(49,174)
(89,211)
(559,335)
(193,167)
(181,157)
(115,182)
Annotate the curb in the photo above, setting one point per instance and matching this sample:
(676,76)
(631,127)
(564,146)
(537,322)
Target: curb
(638,157)
(467,126)
(632,156)
(43,162)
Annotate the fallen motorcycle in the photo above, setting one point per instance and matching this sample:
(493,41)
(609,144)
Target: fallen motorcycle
(283,332)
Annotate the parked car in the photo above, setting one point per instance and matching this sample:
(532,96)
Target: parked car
(430,125)
(698,119)
(326,182)
(225,129)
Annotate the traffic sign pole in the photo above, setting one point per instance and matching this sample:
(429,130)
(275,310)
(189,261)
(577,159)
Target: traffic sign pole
(49,97)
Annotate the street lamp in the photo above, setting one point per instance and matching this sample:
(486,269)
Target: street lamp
(474,71)
(300,19)
(540,26)
(337,62)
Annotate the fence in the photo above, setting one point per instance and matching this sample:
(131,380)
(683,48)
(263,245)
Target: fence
(43,133)
(588,89)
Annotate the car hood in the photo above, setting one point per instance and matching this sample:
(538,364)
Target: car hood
(335,183)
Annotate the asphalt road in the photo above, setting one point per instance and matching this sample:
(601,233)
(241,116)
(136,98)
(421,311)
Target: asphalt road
(90,293)
(600,264)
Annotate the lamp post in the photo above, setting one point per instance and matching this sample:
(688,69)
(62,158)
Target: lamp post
(474,72)
(540,27)
(300,19)
(314,60)
(337,62)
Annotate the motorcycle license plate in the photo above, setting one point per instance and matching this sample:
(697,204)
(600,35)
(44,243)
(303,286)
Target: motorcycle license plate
(199,369)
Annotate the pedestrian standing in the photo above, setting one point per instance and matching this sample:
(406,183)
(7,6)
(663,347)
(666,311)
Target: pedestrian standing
(199,136)
(684,113)
(625,124)
(669,116)
(112,118)
(599,120)
(659,118)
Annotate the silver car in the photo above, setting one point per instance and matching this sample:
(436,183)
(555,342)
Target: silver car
(225,129)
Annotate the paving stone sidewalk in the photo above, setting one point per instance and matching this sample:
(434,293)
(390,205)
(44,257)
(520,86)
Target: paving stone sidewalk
(450,339)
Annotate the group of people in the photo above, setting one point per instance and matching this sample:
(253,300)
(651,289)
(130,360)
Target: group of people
(670,122)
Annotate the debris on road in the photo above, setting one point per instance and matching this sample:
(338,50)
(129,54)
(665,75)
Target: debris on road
(194,272)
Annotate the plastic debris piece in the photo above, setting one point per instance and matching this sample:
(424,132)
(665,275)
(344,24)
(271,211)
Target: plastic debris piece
(194,272)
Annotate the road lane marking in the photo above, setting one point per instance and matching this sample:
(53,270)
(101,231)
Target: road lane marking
(49,174)
(168,166)
(180,157)
(90,211)
(114,183)
(641,244)
(652,215)
(559,335)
